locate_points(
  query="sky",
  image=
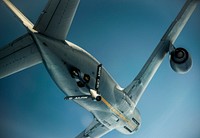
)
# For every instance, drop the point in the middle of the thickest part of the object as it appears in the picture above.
(121, 34)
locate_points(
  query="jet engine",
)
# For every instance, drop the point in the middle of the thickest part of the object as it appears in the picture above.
(180, 60)
(95, 95)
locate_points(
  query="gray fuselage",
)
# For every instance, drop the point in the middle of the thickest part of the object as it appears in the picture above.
(115, 111)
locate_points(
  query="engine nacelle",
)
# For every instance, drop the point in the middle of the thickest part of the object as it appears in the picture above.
(180, 60)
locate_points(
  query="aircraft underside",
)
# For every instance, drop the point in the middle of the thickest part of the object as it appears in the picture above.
(80, 76)
(76, 80)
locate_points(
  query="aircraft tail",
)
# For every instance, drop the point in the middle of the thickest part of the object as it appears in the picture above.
(25, 21)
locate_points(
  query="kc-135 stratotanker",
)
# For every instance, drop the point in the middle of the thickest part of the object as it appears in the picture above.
(83, 78)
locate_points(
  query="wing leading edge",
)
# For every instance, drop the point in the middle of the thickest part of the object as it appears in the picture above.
(56, 18)
(25, 21)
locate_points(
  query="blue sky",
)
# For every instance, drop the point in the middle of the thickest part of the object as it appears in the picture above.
(121, 34)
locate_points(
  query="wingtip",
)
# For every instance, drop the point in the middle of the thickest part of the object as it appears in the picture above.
(25, 21)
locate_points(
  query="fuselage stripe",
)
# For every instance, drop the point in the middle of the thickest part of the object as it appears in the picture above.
(118, 113)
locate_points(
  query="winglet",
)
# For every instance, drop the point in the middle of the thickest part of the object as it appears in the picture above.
(25, 21)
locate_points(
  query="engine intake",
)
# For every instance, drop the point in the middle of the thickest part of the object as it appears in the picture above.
(180, 60)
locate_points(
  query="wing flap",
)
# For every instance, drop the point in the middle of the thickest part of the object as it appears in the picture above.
(56, 18)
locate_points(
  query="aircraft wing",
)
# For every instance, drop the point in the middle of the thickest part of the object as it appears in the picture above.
(94, 130)
(18, 55)
(177, 25)
(139, 84)
(56, 18)
(25, 21)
